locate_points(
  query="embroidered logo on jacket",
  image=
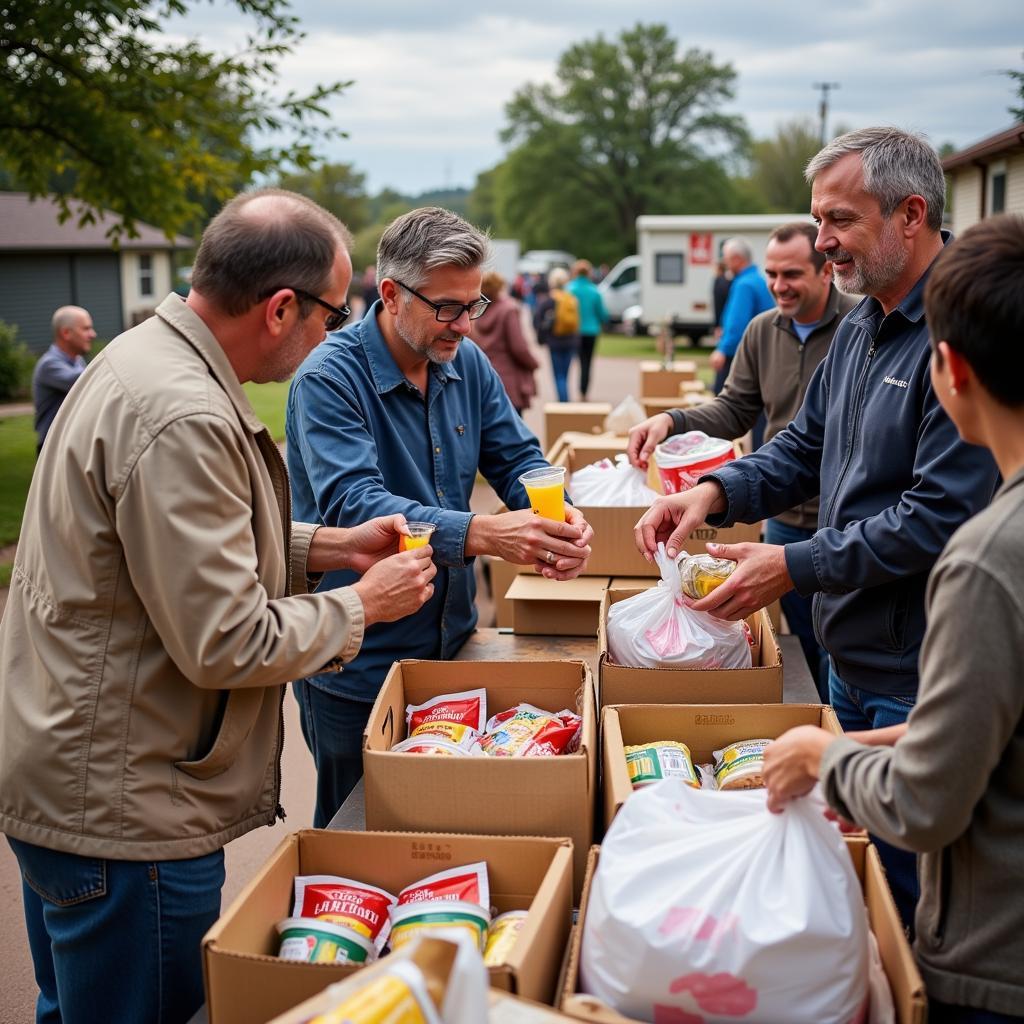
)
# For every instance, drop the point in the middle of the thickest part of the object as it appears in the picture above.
(896, 382)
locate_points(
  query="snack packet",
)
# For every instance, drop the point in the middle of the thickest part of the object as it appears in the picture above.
(660, 759)
(502, 936)
(316, 941)
(434, 745)
(468, 883)
(527, 731)
(400, 994)
(741, 765)
(412, 920)
(700, 574)
(456, 717)
(357, 905)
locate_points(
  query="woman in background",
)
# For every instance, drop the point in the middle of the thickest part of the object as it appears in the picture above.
(593, 316)
(556, 319)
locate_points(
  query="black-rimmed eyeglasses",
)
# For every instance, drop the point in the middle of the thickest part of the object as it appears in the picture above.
(338, 314)
(448, 312)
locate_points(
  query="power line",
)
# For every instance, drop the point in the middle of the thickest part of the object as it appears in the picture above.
(826, 88)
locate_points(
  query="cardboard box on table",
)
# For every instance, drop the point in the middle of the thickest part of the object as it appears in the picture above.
(692, 387)
(583, 417)
(897, 960)
(538, 796)
(704, 728)
(247, 983)
(760, 684)
(502, 575)
(659, 380)
(556, 607)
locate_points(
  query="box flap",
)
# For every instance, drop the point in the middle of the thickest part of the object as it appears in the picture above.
(527, 587)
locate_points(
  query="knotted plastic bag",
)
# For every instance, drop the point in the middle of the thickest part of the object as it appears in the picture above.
(626, 415)
(656, 629)
(611, 484)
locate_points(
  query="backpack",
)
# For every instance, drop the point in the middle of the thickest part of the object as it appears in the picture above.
(567, 313)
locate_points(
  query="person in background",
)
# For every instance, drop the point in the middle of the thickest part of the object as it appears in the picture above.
(556, 319)
(748, 296)
(719, 296)
(499, 333)
(369, 288)
(60, 365)
(949, 782)
(593, 315)
(773, 367)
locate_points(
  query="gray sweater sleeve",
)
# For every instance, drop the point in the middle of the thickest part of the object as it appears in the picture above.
(921, 794)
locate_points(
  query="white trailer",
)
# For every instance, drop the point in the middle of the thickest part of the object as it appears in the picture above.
(677, 257)
(505, 257)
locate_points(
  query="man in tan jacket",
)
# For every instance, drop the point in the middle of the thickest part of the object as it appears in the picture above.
(157, 606)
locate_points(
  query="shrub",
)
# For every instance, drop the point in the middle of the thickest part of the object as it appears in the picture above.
(16, 364)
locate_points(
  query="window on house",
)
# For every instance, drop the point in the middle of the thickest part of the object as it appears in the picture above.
(146, 288)
(997, 188)
(668, 268)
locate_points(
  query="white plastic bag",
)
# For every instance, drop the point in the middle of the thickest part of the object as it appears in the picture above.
(627, 414)
(611, 484)
(656, 630)
(706, 907)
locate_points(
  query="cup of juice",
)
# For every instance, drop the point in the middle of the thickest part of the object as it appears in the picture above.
(419, 536)
(545, 488)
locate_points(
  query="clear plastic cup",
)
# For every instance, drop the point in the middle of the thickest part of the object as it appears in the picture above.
(419, 536)
(545, 488)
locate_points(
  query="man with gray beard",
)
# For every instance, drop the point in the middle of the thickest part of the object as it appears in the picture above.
(871, 437)
(398, 413)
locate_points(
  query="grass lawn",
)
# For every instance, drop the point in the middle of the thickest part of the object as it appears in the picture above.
(269, 401)
(623, 346)
(17, 460)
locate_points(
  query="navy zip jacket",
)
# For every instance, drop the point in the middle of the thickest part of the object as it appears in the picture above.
(895, 482)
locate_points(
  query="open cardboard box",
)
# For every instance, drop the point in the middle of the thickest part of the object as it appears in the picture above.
(246, 982)
(584, 417)
(659, 380)
(759, 684)
(539, 796)
(904, 979)
(704, 728)
(502, 575)
(556, 607)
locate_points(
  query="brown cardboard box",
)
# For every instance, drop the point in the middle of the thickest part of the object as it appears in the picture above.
(633, 582)
(584, 417)
(556, 607)
(659, 380)
(692, 387)
(541, 796)
(760, 684)
(502, 575)
(613, 548)
(904, 979)
(704, 728)
(653, 404)
(246, 983)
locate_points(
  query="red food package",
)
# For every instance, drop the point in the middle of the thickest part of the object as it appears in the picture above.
(456, 717)
(527, 731)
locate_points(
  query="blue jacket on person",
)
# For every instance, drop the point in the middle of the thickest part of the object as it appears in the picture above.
(748, 296)
(895, 480)
(593, 312)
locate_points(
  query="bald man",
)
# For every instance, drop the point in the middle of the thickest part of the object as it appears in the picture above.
(60, 365)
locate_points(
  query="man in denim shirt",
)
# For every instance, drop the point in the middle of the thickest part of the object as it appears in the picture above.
(397, 414)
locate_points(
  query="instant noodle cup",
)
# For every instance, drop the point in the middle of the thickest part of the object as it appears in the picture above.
(466, 884)
(400, 995)
(700, 574)
(502, 936)
(528, 731)
(660, 759)
(456, 717)
(316, 941)
(741, 765)
(410, 920)
(357, 905)
(684, 458)
(434, 745)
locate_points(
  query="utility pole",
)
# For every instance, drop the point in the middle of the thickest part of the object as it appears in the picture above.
(826, 88)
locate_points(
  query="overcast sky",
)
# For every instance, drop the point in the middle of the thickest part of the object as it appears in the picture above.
(432, 80)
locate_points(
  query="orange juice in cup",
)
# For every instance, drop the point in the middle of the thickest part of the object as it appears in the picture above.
(545, 488)
(419, 536)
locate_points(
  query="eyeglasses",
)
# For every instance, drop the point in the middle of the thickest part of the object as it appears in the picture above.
(338, 314)
(448, 312)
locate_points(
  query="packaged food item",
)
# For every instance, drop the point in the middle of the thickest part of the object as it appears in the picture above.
(684, 458)
(434, 745)
(456, 717)
(316, 941)
(468, 883)
(660, 759)
(527, 731)
(357, 905)
(502, 936)
(741, 765)
(700, 574)
(400, 995)
(411, 920)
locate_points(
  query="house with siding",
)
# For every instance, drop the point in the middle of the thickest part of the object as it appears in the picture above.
(45, 264)
(986, 178)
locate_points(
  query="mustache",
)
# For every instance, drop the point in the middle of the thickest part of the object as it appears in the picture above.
(837, 255)
(449, 336)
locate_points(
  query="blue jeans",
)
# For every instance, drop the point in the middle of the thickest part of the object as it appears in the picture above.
(797, 608)
(720, 375)
(117, 940)
(333, 729)
(561, 361)
(860, 710)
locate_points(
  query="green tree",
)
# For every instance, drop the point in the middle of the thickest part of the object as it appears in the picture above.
(149, 130)
(339, 188)
(1018, 78)
(777, 166)
(628, 128)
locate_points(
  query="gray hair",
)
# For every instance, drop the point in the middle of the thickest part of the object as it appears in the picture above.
(558, 277)
(423, 240)
(65, 317)
(739, 246)
(896, 164)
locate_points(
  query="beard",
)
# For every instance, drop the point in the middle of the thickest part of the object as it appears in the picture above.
(873, 273)
(429, 347)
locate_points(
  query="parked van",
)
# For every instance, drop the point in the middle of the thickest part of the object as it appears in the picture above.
(541, 261)
(620, 288)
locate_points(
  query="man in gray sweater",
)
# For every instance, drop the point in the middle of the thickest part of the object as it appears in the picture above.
(949, 783)
(780, 350)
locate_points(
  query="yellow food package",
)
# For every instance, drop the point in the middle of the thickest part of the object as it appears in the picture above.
(660, 759)
(741, 765)
(502, 936)
(700, 574)
(399, 996)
